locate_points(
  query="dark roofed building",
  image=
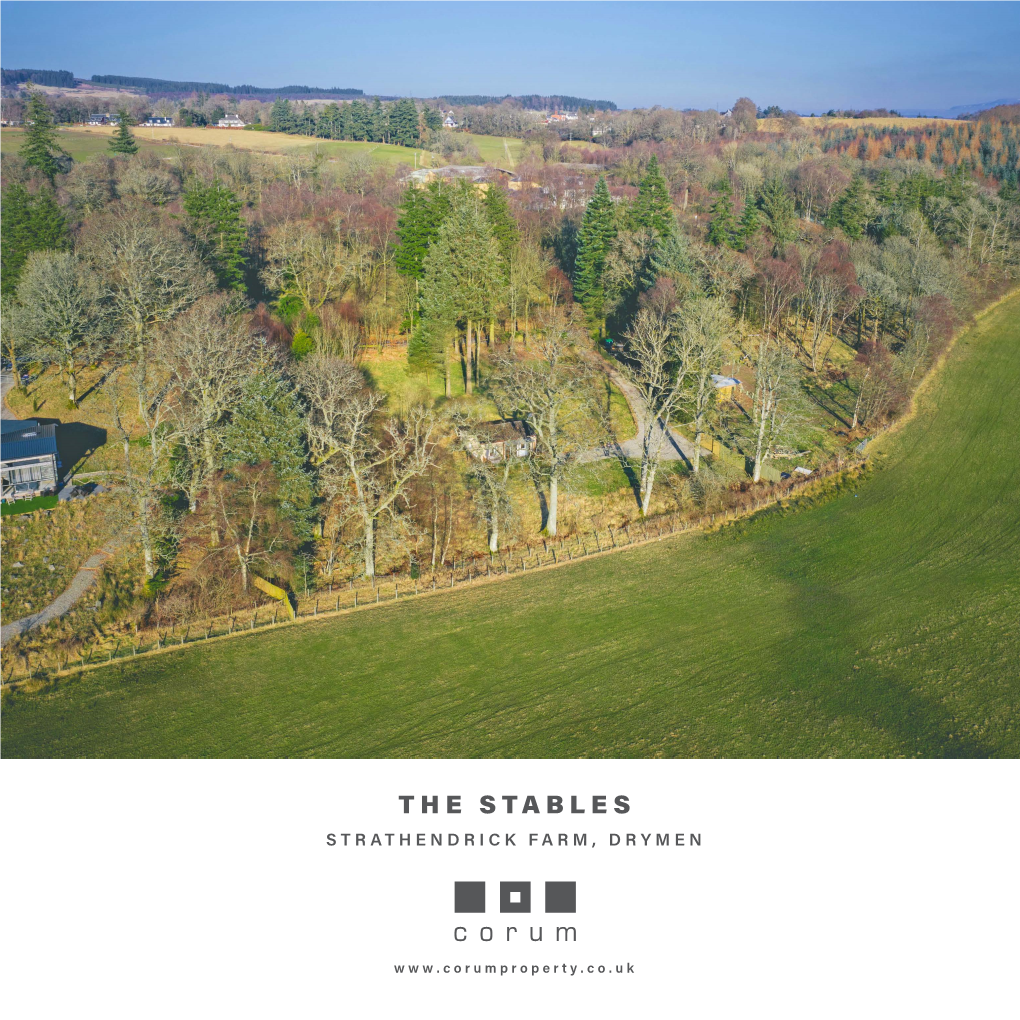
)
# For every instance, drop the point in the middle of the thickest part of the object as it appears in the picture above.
(28, 460)
(493, 441)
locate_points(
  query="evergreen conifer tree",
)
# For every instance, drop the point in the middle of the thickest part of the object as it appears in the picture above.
(504, 226)
(652, 208)
(750, 221)
(266, 425)
(40, 148)
(850, 212)
(404, 123)
(215, 224)
(123, 142)
(30, 223)
(780, 215)
(422, 212)
(723, 227)
(594, 238)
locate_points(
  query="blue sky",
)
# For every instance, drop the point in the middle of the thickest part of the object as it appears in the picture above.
(804, 56)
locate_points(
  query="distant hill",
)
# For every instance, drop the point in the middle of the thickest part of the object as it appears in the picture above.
(1007, 112)
(155, 86)
(954, 112)
(533, 102)
(58, 79)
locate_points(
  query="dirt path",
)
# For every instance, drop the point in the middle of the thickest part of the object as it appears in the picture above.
(85, 578)
(6, 385)
(676, 446)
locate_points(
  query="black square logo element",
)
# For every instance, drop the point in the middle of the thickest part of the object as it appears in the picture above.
(515, 897)
(561, 897)
(469, 897)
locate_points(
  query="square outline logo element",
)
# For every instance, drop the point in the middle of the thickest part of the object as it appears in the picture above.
(523, 889)
(561, 897)
(469, 897)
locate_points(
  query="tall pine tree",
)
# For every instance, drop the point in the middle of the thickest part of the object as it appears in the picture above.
(504, 226)
(40, 148)
(215, 224)
(652, 209)
(777, 206)
(30, 223)
(723, 227)
(850, 211)
(123, 142)
(594, 238)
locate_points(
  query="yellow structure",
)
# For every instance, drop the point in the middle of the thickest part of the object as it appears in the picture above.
(274, 593)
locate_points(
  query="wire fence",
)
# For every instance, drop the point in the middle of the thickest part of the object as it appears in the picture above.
(332, 599)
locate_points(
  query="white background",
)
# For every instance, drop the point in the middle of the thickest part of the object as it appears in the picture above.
(206, 889)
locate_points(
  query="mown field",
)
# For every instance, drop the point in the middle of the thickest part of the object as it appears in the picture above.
(879, 622)
(79, 144)
(83, 142)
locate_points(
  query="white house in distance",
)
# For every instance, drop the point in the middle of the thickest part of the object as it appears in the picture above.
(159, 122)
(449, 122)
(231, 121)
(28, 459)
(98, 120)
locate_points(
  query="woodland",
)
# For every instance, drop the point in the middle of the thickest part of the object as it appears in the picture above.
(293, 357)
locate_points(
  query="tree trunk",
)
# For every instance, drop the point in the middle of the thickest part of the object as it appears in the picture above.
(494, 538)
(143, 526)
(466, 361)
(554, 495)
(72, 385)
(646, 489)
(697, 444)
(446, 369)
(369, 547)
(756, 477)
(244, 566)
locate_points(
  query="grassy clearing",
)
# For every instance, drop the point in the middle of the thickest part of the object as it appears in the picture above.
(80, 143)
(881, 621)
(83, 142)
(28, 506)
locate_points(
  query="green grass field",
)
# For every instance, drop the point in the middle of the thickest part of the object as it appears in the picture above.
(881, 622)
(82, 143)
(79, 145)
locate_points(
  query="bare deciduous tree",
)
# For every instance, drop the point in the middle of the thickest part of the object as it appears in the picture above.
(210, 354)
(773, 409)
(63, 315)
(369, 464)
(704, 325)
(659, 356)
(553, 394)
(310, 263)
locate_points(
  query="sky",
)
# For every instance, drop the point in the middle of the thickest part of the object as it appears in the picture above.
(802, 56)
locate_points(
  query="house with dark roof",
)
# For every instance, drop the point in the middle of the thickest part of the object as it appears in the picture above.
(495, 441)
(29, 464)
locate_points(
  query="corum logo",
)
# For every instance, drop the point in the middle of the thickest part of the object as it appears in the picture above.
(515, 897)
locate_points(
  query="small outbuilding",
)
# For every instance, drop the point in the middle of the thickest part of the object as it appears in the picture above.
(725, 385)
(29, 464)
(495, 441)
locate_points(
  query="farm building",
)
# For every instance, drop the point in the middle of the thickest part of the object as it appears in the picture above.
(494, 441)
(231, 121)
(28, 460)
(725, 385)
